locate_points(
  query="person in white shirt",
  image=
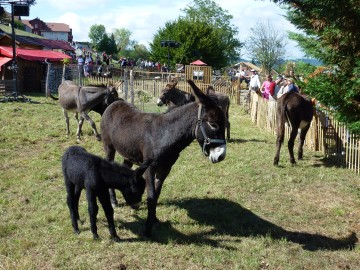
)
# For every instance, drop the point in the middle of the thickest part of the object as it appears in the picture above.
(254, 84)
(283, 89)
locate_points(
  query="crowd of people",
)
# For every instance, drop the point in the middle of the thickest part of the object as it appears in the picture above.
(270, 89)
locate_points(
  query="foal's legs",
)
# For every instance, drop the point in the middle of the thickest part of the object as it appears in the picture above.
(77, 198)
(104, 199)
(301, 140)
(93, 210)
(71, 202)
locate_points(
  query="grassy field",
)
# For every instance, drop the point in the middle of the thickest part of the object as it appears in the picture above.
(242, 213)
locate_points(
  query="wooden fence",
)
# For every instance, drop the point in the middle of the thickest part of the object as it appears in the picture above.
(6, 87)
(325, 134)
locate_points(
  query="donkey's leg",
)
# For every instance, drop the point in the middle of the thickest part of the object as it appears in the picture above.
(228, 129)
(280, 133)
(104, 199)
(279, 142)
(93, 126)
(153, 189)
(67, 121)
(76, 115)
(93, 210)
(80, 124)
(151, 201)
(291, 141)
(71, 202)
(302, 140)
(77, 198)
(227, 121)
(110, 156)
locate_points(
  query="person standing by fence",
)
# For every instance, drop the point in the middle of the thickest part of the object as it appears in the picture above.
(254, 84)
(268, 87)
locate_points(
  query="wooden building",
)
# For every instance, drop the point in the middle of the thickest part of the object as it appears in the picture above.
(199, 73)
(32, 67)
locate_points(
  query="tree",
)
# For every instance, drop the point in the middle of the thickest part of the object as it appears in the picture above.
(204, 32)
(140, 52)
(266, 44)
(331, 34)
(123, 39)
(107, 44)
(97, 34)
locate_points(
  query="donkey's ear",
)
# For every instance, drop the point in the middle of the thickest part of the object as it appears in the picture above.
(173, 82)
(171, 85)
(210, 90)
(200, 97)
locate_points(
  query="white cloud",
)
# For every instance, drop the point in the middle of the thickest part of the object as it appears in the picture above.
(144, 17)
(65, 5)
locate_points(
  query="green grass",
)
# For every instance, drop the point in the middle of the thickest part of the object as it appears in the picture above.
(242, 213)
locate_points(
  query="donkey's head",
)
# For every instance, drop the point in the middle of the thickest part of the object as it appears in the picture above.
(210, 126)
(167, 94)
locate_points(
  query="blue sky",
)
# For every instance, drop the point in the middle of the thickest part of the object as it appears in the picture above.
(144, 17)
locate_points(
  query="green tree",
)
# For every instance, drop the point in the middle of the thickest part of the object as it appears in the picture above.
(266, 44)
(140, 52)
(123, 39)
(204, 32)
(97, 35)
(107, 44)
(330, 33)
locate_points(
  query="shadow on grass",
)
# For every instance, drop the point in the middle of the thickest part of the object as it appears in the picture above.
(327, 162)
(244, 141)
(230, 219)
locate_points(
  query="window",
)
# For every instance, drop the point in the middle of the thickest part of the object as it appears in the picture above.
(198, 75)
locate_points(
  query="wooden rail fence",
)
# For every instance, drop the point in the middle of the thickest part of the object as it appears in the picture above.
(325, 134)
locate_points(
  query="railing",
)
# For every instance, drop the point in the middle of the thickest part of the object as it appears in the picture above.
(6, 87)
(325, 134)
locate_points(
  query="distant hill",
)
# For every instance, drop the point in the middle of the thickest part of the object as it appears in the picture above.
(311, 61)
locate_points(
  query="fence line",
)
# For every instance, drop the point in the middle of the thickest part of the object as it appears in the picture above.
(326, 134)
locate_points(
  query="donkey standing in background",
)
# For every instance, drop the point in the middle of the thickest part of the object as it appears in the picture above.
(174, 97)
(83, 99)
(297, 111)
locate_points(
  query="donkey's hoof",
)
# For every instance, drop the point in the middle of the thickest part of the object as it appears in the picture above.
(115, 238)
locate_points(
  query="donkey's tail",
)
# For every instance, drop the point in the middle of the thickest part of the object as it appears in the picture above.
(281, 120)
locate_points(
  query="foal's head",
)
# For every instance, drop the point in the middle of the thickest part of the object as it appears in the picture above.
(134, 192)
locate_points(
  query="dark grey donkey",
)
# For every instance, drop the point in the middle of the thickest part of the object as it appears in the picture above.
(298, 112)
(174, 97)
(83, 170)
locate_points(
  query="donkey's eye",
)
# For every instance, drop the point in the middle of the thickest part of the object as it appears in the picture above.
(214, 126)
